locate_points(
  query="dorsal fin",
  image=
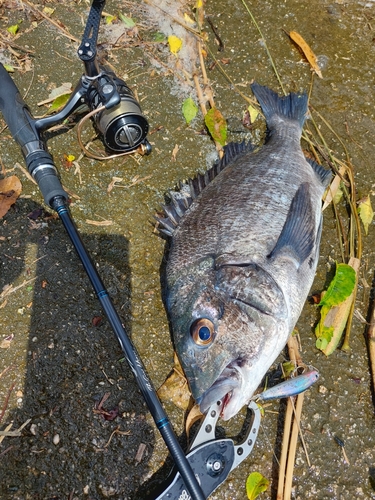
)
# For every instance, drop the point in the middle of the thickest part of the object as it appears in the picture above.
(322, 173)
(182, 199)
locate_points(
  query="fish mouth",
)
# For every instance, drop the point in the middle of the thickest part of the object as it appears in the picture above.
(228, 389)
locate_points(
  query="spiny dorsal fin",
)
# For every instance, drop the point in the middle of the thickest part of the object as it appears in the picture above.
(322, 173)
(182, 199)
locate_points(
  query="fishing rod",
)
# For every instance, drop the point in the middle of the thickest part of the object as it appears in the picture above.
(119, 120)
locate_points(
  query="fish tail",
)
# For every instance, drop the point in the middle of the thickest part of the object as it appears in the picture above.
(292, 106)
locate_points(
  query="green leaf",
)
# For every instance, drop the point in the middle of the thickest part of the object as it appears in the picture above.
(321, 344)
(288, 368)
(365, 212)
(9, 68)
(335, 307)
(109, 19)
(128, 21)
(159, 37)
(216, 125)
(340, 287)
(189, 109)
(256, 484)
(59, 102)
(13, 29)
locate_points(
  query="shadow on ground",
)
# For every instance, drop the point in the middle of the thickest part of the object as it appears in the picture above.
(72, 361)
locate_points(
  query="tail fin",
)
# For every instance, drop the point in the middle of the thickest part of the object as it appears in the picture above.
(293, 106)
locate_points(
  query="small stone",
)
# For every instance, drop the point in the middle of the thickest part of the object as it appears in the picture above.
(56, 439)
(33, 428)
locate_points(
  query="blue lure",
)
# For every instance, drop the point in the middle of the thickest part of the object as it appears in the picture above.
(290, 387)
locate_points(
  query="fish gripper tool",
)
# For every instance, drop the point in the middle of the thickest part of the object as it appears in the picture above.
(213, 459)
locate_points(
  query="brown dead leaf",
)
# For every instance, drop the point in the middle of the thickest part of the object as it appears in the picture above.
(309, 54)
(10, 189)
(333, 187)
(175, 388)
(174, 152)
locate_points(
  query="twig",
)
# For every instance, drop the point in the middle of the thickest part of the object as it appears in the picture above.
(289, 443)
(293, 447)
(371, 345)
(265, 45)
(6, 401)
(284, 449)
(56, 24)
(10, 288)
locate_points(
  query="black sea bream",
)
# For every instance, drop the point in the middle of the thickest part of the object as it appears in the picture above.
(244, 249)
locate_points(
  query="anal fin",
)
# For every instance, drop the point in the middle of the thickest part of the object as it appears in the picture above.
(299, 234)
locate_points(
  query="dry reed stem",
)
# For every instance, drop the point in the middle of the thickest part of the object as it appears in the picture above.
(54, 23)
(290, 435)
(371, 344)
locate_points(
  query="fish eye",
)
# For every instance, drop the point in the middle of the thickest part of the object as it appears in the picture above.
(202, 331)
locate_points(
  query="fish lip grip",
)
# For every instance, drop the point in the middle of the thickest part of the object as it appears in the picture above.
(213, 459)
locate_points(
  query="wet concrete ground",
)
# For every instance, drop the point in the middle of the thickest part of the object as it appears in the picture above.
(63, 359)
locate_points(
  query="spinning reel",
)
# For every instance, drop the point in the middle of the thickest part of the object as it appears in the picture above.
(116, 113)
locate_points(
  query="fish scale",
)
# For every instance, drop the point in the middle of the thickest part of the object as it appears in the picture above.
(243, 256)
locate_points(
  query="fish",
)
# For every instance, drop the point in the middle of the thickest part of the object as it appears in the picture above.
(290, 387)
(243, 250)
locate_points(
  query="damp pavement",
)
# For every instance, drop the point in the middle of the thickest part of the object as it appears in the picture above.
(88, 433)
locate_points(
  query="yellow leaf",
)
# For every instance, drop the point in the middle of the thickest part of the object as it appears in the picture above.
(175, 44)
(48, 11)
(309, 54)
(253, 112)
(199, 4)
(365, 212)
(70, 158)
(188, 19)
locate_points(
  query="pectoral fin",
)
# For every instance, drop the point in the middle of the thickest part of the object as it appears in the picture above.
(299, 234)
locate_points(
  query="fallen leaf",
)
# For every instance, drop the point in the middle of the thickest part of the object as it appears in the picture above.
(188, 19)
(10, 189)
(216, 125)
(128, 21)
(335, 306)
(13, 29)
(253, 113)
(5, 343)
(256, 484)
(48, 10)
(333, 189)
(174, 152)
(109, 19)
(309, 54)
(365, 212)
(96, 320)
(175, 388)
(189, 110)
(59, 103)
(175, 44)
